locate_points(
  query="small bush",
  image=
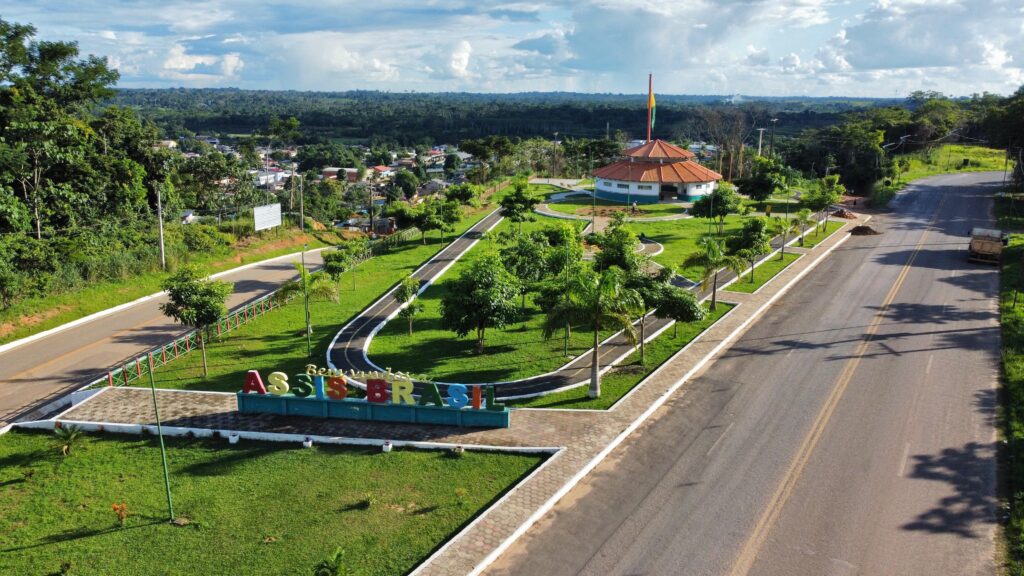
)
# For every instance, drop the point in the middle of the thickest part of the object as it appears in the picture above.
(203, 238)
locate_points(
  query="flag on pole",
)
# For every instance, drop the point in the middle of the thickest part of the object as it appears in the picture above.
(650, 104)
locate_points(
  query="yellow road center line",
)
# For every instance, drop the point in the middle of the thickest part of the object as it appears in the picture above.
(748, 553)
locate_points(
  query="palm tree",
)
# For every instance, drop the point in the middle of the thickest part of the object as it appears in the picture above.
(802, 220)
(785, 227)
(711, 258)
(317, 286)
(67, 436)
(603, 301)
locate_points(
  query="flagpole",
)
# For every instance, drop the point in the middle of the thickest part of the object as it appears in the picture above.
(650, 86)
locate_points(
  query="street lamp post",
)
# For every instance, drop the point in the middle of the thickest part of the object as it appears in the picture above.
(163, 449)
(771, 143)
(305, 301)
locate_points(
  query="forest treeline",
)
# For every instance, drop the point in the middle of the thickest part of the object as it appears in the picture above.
(412, 118)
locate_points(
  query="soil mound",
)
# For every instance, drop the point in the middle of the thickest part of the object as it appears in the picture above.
(844, 213)
(863, 230)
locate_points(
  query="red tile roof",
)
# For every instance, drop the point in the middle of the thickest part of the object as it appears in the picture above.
(656, 149)
(681, 171)
(381, 168)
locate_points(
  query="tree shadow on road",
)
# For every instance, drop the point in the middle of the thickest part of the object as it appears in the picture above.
(970, 472)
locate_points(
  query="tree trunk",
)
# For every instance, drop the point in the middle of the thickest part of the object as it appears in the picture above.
(643, 332)
(202, 345)
(410, 325)
(480, 340)
(714, 291)
(675, 329)
(782, 252)
(595, 372)
(751, 270)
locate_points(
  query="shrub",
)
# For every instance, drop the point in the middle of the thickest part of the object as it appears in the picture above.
(203, 238)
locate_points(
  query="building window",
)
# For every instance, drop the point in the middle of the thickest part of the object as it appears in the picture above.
(624, 186)
(644, 187)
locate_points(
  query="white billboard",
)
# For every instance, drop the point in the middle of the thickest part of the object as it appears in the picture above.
(267, 216)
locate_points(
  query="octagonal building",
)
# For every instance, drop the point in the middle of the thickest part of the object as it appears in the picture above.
(654, 172)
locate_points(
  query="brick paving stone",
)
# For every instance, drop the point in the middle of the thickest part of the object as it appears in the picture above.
(580, 435)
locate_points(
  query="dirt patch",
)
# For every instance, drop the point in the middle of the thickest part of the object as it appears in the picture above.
(844, 213)
(864, 230)
(8, 328)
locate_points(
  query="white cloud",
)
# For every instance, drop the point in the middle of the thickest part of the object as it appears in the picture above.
(703, 46)
(179, 60)
(231, 64)
(458, 63)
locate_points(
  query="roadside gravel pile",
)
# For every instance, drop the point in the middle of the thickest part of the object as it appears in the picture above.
(844, 213)
(863, 230)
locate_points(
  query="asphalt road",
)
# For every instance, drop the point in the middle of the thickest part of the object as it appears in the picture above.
(849, 431)
(41, 371)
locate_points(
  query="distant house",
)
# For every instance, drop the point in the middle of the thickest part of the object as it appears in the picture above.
(431, 187)
(351, 174)
(170, 144)
(383, 172)
(188, 216)
(330, 173)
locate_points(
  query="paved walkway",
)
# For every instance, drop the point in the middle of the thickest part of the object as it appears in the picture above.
(581, 438)
(546, 210)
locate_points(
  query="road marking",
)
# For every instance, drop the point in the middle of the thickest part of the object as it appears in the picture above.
(720, 438)
(928, 366)
(748, 553)
(903, 459)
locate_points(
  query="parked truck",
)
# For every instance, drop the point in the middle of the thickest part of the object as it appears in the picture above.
(986, 245)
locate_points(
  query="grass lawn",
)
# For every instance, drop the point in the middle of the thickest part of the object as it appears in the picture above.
(679, 237)
(255, 508)
(816, 236)
(941, 160)
(583, 206)
(618, 381)
(35, 315)
(517, 351)
(277, 341)
(778, 206)
(1012, 399)
(763, 273)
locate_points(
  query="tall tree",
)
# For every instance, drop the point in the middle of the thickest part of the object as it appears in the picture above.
(195, 301)
(482, 297)
(711, 258)
(602, 301)
(518, 205)
(524, 258)
(405, 295)
(720, 203)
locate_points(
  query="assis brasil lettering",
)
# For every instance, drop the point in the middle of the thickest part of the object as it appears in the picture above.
(389, 397)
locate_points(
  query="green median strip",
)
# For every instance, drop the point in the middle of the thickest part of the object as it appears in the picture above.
(618, 381)
(816, 235)
(253, 508)
(763, 273)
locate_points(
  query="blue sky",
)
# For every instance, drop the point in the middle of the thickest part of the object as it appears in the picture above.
(771, 47)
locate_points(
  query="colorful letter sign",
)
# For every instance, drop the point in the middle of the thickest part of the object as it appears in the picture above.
(389, 398)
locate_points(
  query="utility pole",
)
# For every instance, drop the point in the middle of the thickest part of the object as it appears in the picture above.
(760, 135)
(305, 300)
(302, 210)
(554, 152)
(160, 226)
(771, 143)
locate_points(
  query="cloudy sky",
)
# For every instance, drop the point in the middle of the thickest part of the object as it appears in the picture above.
(770, 47)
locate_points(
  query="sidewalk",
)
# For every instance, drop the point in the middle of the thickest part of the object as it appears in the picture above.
(580, 439)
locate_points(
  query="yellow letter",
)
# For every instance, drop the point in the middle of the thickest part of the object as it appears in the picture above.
(401, 392)
(278, 383)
